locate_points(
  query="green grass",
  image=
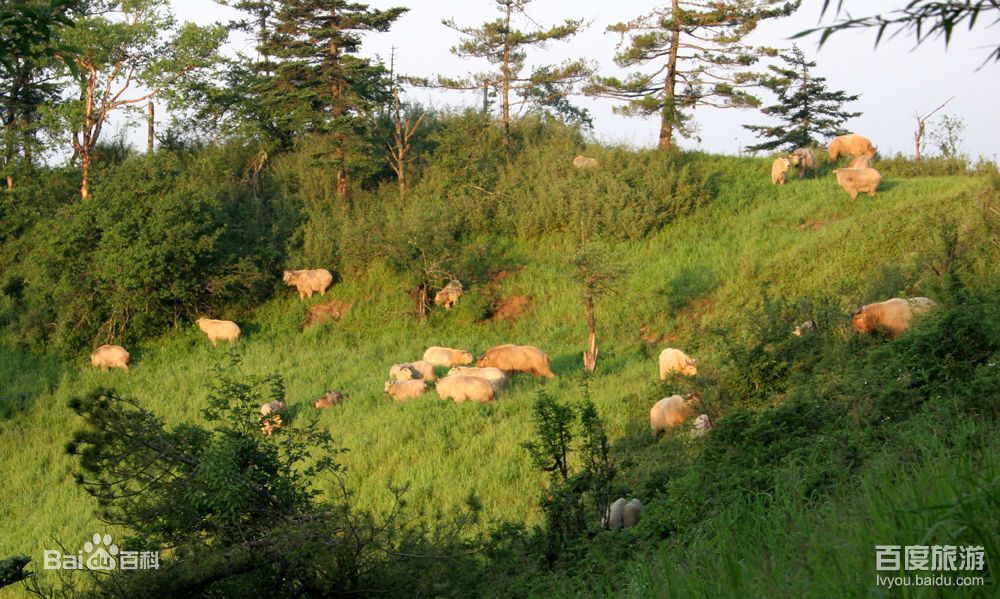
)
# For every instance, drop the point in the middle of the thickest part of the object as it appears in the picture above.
(701, 271)
(946, 495)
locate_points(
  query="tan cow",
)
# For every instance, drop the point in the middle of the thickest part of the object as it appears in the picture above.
(674, 360)
(401, 390)
(271, 417)
(420, 369)
(891, 316)
(517, 358)
(671, 411)
(449, 294)
(494, 376)
(308, 281)
(584, 162)
(858, 180)
(853, 145)
(465, 388)
(804, 160)
(446, 356)
(218, 330)
(110, 356)
(779, 168)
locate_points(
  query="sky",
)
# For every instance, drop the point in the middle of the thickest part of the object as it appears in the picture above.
(894, 80)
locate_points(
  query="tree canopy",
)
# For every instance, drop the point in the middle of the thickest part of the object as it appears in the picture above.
(808, 110)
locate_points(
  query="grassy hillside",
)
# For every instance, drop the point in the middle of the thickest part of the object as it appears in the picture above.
(698, 284)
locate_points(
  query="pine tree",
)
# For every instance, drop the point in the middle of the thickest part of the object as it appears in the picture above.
(697, 44)
(505, 46)
(808, 109)
(320, 84)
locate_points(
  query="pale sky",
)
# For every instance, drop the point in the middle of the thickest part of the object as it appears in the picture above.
(893, 80)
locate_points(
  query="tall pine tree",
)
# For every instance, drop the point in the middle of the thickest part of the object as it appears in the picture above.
(505, 46)
(320, 84)
(808, 110)
(691, 53)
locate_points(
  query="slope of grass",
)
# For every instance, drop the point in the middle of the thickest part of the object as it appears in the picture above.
(701, 271)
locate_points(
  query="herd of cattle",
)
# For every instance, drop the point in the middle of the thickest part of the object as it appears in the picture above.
(858, 177)
(483, 382)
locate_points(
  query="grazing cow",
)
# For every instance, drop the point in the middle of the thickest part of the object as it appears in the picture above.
(446, 356)
(400, 390)
(671, 411)
(858, 180)
(420, 369)
(308, 281)
(110, 356)
(622, 514)
(218, 330)
(464, 388)
(853, 145)
(672, 360)
(449, 294)
(517, 358)
(891, 316)
(328, 399)
(804, 160)
(494, 376)
(779, 168)
(271, 417)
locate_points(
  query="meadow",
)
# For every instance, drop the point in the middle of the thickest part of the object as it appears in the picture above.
(701, 283)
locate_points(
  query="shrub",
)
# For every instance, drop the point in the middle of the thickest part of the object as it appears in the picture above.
(163, 239)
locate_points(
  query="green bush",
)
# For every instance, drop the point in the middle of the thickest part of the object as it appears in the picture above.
(164, 239)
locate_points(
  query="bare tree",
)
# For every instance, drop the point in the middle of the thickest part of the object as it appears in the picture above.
(404, 126)
(120, 48)
(599, 270)
(918, 135)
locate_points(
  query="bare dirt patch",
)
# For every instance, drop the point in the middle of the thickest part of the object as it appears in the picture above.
(511, 308)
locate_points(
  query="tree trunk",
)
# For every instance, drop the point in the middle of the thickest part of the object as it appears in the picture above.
(401, 134)
(341, 177)
(670, 82)
(85, 176)
(10, 121)
(420, 301)
(86, 148)
(150, 129)
(590, 355)
(505, 70)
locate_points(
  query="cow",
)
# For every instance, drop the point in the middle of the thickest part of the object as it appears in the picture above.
(852, 144)
(517, 358)
(219, 330)
(779, 168)
(465, 388)
(110, 356)
(449, 294)
(674, 360)
(858, 180)
(308, 282)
